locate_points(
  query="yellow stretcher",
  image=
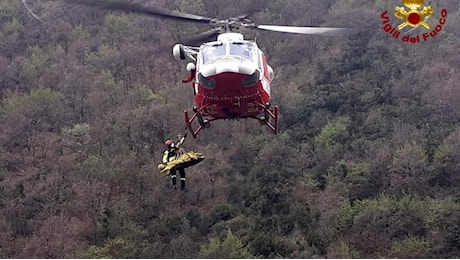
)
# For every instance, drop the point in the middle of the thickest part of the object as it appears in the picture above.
(185, 160)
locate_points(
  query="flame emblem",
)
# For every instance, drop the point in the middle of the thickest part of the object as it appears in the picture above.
(413, 17)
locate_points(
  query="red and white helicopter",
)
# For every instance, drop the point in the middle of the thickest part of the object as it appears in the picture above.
(230, 76)
(231, 80)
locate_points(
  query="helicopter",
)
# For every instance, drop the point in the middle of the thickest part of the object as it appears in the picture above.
(230, 76)
(231, 80)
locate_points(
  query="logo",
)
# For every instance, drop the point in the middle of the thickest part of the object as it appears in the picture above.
(413, 14)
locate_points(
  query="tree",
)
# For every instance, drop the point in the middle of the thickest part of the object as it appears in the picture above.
(58, 236)
(360, 182)
(29, 117)
(115, 29)
(409, 169)
(373, 225)
(230, 247)
(76, 140)
(410, 247)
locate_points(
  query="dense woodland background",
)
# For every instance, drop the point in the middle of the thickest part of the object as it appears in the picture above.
(366, 164)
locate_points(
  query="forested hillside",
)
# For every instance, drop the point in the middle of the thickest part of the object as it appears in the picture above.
(366, 163)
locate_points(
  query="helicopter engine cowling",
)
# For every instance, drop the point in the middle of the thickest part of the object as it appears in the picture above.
(179, 52)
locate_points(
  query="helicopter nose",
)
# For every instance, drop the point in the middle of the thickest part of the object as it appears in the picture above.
(206, 82)
(228, 66)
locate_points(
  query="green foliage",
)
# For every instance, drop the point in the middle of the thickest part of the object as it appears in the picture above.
(410, 247)
(231, 247)
(79, 33)
(442, 219)
(342, 249)
(222, 213)
(113, 248)
(8, 12)
(409, 168)
(76, 139)
(103, 58)
(333, 133)
(278, 225)
(196, 6)
(116, 28)
(37, 99)
(440, 208)
(376, 124)
(33, 66)
(93, 165)
(13, 27)
(268, 196)
(406, 236)
(442, 155)
(106, 92)
(142, 95)
(346, 215)
(106, 81)
(409, 159)
(268, 246)
(407, 202)
(358, 178)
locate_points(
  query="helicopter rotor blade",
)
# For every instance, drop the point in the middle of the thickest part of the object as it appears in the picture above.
(137, 8)
(307, 30)
(204, 36)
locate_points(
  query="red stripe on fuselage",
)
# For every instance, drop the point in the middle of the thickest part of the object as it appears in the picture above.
(230, 99)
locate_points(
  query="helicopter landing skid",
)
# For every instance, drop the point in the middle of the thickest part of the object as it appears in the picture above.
(273, 115)
(269, 118)
(204, 123)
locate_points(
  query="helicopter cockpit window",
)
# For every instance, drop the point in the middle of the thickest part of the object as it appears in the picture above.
(213, 51)
(241, 49)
